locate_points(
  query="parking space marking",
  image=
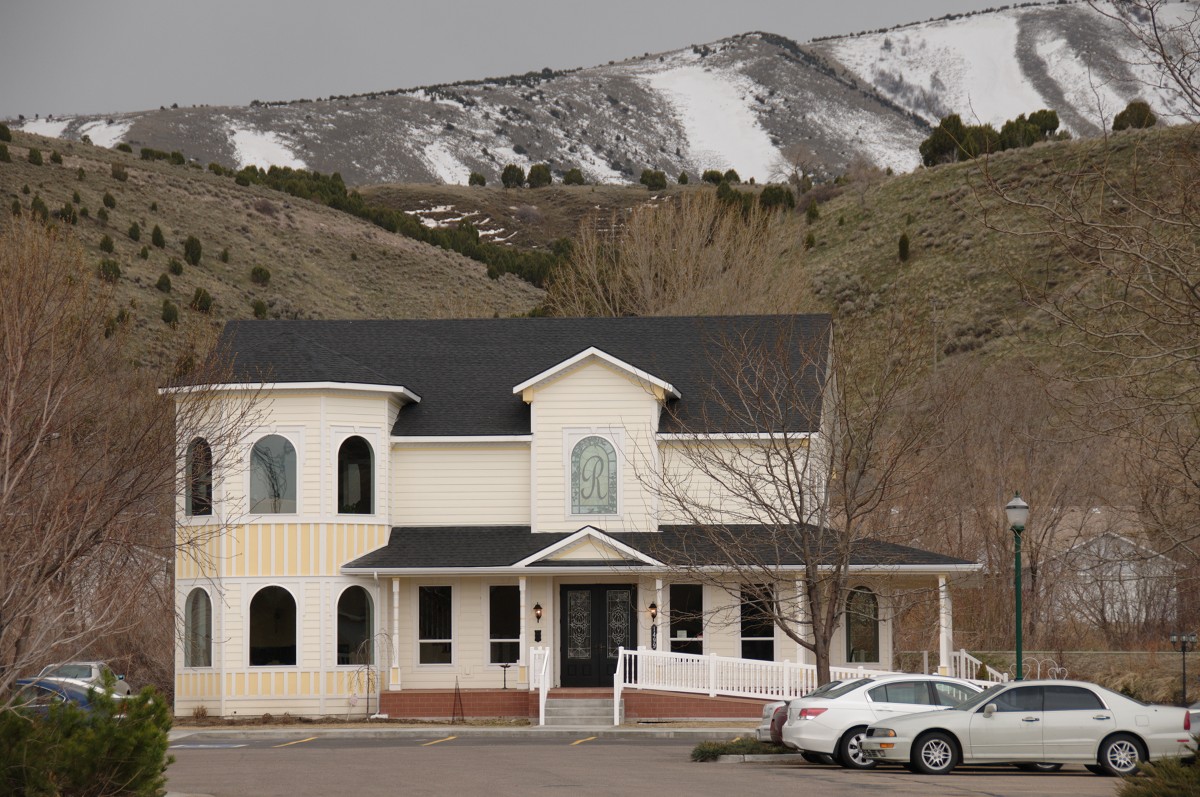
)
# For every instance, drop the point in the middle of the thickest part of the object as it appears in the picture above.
(581, 741)
(439, 741)
(298, 741)
(204, 746)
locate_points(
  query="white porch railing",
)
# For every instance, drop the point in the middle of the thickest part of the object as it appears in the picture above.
(964, 665)
(719, 675)
(539, 678)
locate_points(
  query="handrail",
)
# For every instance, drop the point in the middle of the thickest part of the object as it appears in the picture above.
(964, 665)
(539, 660)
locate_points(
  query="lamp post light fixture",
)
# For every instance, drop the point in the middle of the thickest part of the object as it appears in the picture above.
(1018, 514)
(1184, 643)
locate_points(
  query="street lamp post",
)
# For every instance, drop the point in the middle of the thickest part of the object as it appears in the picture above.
(1184, 643)
(1018, 513)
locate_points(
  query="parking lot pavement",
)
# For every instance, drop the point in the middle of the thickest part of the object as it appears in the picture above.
(586, 764)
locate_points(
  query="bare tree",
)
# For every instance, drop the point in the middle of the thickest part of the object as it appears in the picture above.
(92, 458)
(693, 256)
(780, 506)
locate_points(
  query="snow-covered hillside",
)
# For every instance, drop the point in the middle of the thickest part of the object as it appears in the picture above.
(758, 103)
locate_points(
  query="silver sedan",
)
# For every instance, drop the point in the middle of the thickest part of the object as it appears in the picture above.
(1030, 723)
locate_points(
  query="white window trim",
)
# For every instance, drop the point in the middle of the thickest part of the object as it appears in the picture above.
(486, 601)
(338, 436)
(337, 599)
(252, 589)
(295, 436)
(879, 640)
(615, 436)
(212, 623)
(415, 602)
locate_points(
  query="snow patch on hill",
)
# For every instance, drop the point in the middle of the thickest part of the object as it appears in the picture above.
(256, 148)
(46, 127)
(722, 132)
(968, 64)
(444, 165)
(106, 134)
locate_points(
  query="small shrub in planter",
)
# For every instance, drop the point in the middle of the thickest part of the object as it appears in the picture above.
(106, 244)
(157, 238)
(135, 232)
(192, 250)
(110, 201)
(35, 156)
(259, 307)
(260, 275)
(170, 313)
(201, 302)
(164, 283)
(110, 270)
(174, 266)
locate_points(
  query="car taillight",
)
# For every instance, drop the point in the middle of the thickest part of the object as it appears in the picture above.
(811, 713)
(1187, 720)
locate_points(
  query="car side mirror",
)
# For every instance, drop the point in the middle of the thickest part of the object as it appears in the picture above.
(989, 709)
(120, 677)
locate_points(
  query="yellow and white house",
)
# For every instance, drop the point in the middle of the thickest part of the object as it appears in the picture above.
(431, 516)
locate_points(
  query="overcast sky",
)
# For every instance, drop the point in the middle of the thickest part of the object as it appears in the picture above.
(86, 56)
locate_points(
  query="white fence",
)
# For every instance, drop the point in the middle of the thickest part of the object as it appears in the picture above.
(964, 665)
(719, 675)
(539, 678)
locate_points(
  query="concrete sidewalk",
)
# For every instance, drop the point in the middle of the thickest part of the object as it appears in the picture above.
(384, 731)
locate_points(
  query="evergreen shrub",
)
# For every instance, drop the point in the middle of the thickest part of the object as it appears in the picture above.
(164, 283)
(260, 275)
(110, 270)
(4, 156)
(170, 313)
(539, 175)
(259, 307)
(201, 301)
(712, 176)
(476, 179)
(106, 244)
(903, 247)
(192, 250)
(174, 266)
(35, 156)
(135, 232)
(573, 177)
(156, 237)
(55, 157)
(654, 179)
(513, 176)
(5, 133)
(110, 201)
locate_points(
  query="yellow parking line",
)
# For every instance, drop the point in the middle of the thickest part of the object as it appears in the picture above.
(298, 741)
(439, 741)
(581, 741)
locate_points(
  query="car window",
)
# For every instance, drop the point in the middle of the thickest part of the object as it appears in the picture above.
(949, 694)
(849, 686)
(83, 671)
(912, 692)
(31, 696)
(1023, 698)
(1071, 698)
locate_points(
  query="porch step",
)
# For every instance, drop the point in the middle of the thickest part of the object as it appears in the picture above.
(581, 711)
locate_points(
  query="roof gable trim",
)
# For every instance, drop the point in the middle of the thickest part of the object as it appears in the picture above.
(398, 390)
(592, 351)
(596, 535)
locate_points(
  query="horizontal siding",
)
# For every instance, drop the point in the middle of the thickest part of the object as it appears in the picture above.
(460, 485)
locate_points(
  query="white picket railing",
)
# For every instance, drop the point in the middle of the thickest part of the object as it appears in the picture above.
(539, 678)
(719, 675)
(964, 665)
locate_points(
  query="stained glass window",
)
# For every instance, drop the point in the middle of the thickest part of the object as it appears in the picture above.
(593, 477)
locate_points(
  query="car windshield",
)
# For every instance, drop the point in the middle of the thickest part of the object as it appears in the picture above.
(69, 671)
(980, 699)
(822, 691)
(848, 686)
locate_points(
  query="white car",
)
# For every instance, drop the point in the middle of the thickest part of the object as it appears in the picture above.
(89, 672)
(1035, 723)
(833, 724)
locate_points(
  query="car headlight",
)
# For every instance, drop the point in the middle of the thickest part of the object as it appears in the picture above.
(877, 732)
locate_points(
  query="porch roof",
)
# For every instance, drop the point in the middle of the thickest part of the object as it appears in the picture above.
(459, 548)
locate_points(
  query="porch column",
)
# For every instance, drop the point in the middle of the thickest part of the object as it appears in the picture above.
(521, 646)
(394, 679)
(663, 644)
(945, 627)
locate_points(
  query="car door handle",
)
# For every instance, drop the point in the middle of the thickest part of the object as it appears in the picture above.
(1030, 719)
(1101, 717)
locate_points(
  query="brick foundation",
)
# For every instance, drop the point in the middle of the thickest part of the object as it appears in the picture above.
(439, 704)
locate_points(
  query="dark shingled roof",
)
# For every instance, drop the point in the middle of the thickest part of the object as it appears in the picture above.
(502, 546)
(465, 370)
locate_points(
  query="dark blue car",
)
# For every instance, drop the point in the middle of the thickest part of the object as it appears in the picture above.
(38, 694)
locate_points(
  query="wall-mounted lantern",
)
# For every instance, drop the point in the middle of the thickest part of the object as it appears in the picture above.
(537, 613)
(653, 626)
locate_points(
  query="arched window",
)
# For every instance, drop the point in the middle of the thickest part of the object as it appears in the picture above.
(273, 476)
(198, 500)
(354, 624)
(197, 632)
(862, 625)
(355, 477)
(593, 477)
(272, 628)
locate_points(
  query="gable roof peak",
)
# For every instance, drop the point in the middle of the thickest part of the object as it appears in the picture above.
(593, 352)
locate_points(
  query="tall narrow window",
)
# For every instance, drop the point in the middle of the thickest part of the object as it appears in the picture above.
(434, 628)
(687, 618)
(593, 477)
(273, 476)
(862, 625)
(354, 624)
(197, 630)
(355, 477)
(272, 628)
(199, 478)
(758, 625)
(504, 626)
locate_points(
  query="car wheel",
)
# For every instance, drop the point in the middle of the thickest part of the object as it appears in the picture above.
(1120, 754)
(1039, 767)
(849, 750)
(934, 754)
(815, 758)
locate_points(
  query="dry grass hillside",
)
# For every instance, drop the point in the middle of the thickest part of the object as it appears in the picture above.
(322, 263)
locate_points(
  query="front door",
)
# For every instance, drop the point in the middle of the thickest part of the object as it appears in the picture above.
(596, 620)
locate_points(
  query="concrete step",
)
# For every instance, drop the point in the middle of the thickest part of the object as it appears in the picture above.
(581, 711)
